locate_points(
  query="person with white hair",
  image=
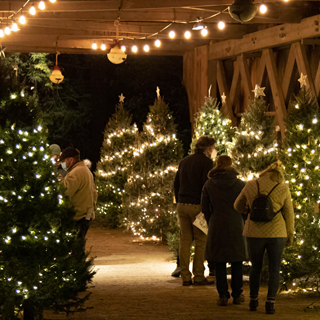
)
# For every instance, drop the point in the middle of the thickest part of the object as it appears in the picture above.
(263, 235)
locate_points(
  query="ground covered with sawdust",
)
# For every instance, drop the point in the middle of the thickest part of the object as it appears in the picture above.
(134, 282)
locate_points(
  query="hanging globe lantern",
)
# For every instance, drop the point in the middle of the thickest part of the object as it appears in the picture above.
(56, 75)
(116, 55)
(243, 10)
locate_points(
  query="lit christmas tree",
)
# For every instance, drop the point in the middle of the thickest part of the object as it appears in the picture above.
(256, 145)
(42, 261)
(111, 174)
(150, 209)
(300, 156)
(210, 121)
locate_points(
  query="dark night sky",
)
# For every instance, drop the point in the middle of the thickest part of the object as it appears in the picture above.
(137, 78)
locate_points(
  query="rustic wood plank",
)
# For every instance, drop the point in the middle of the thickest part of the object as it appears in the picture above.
(245, 76)
(272, 37)
(288, 73)
(235, 84)
(276, 89)
(223, 87)
(304, 67)
(317, 81)
(261, 69)
(188, 77)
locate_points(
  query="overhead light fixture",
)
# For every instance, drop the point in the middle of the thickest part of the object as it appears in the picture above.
(199, 25)
(187, 34)
(22, 19)
(52, 1)
(32, 10)
(94, 46)
(7, 30)
(123, 48)
(243, 10)
(146, 48)
(1, 33)
(14, 27)
(103, 46)
(116, 55)
(56, 75)
(134, 48)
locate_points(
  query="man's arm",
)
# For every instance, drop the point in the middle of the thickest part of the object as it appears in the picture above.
(176, 185)
(72, 184)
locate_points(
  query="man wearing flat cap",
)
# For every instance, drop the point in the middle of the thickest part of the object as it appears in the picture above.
(80, 188)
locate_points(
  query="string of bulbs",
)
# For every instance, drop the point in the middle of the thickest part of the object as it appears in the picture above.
(5, 31)
(199, 25)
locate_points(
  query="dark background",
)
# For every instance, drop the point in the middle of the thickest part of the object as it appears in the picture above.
(98, 84)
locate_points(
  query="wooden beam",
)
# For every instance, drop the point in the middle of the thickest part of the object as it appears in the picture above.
(245, 76)
(271, 37)
(276, 89)
(223, 88)
(288, 72)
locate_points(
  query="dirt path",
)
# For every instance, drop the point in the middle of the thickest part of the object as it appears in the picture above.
(133, 282)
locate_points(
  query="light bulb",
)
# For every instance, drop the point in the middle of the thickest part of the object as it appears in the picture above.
(146, 48)
(221, 25)
(1, 33)
(103, 47)
(123, 48)
(204, 32)
(14, 27)
(157, 43)
(32, 10)
(187, 34)
(134, 48)
(52, 1)
(263, 8)
(7, 30)
(172, 34)
(42, 5)
(22, 19)
(94, 46)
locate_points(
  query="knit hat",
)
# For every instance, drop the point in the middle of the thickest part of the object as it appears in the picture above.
(55, 149)
(69, 153)
(223, 162)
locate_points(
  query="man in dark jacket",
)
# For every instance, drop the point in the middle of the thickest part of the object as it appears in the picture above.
(190, 178)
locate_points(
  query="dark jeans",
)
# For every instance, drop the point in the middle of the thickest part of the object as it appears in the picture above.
(83, 226)
(257, 247)
(236, 279)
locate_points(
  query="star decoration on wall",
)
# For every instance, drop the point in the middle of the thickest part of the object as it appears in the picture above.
(223, 98)
(158, 93)
(302, 80)
(258, 91)
(121, 98)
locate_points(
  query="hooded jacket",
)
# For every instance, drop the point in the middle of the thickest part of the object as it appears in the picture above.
(225, 242)
(81, 190)
(282, 225)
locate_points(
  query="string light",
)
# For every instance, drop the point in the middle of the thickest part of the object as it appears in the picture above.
(42, 5)
(94, 45)
(103, 47)
(187, 34)
(146, 48)
(14, 27)
(157, 43)
(1, 33)
(134, 48)
(123, 48)
(172, 34)
(52, 1)
(221, 25)
(7, 30)
(32, 10)
(22, 19)
(204, 32)
(263, 8)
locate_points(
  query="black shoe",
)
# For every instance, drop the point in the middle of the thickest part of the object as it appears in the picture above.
(187, 283)
(223, 301)
(270, 308)
(204, 282)
(239, 299)
(253, 304)
(176, 273)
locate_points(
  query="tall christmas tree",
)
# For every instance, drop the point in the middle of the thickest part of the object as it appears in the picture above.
(210, 121)
(300, 156)
(111, 174)
(256, 142)
(42, 261)
(150, 209)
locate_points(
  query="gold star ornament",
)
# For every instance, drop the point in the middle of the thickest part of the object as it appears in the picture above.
(158, 93)
(223, 98)
(121, 98)
(258, 92)
(302, 80)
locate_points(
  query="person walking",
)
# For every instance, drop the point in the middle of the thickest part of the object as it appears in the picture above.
(225, 242)
(80, 188)
(190, 178)
(270, 236)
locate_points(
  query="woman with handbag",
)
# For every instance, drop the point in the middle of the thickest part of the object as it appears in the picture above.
(263, 235)
(225, 242)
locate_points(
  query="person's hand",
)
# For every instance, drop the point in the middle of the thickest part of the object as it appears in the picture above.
(289, 241)
(60, 177)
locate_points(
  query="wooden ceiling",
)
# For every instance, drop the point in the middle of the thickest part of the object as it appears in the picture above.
(74, 25)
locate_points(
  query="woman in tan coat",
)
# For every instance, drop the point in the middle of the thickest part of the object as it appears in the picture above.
(271, 236)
